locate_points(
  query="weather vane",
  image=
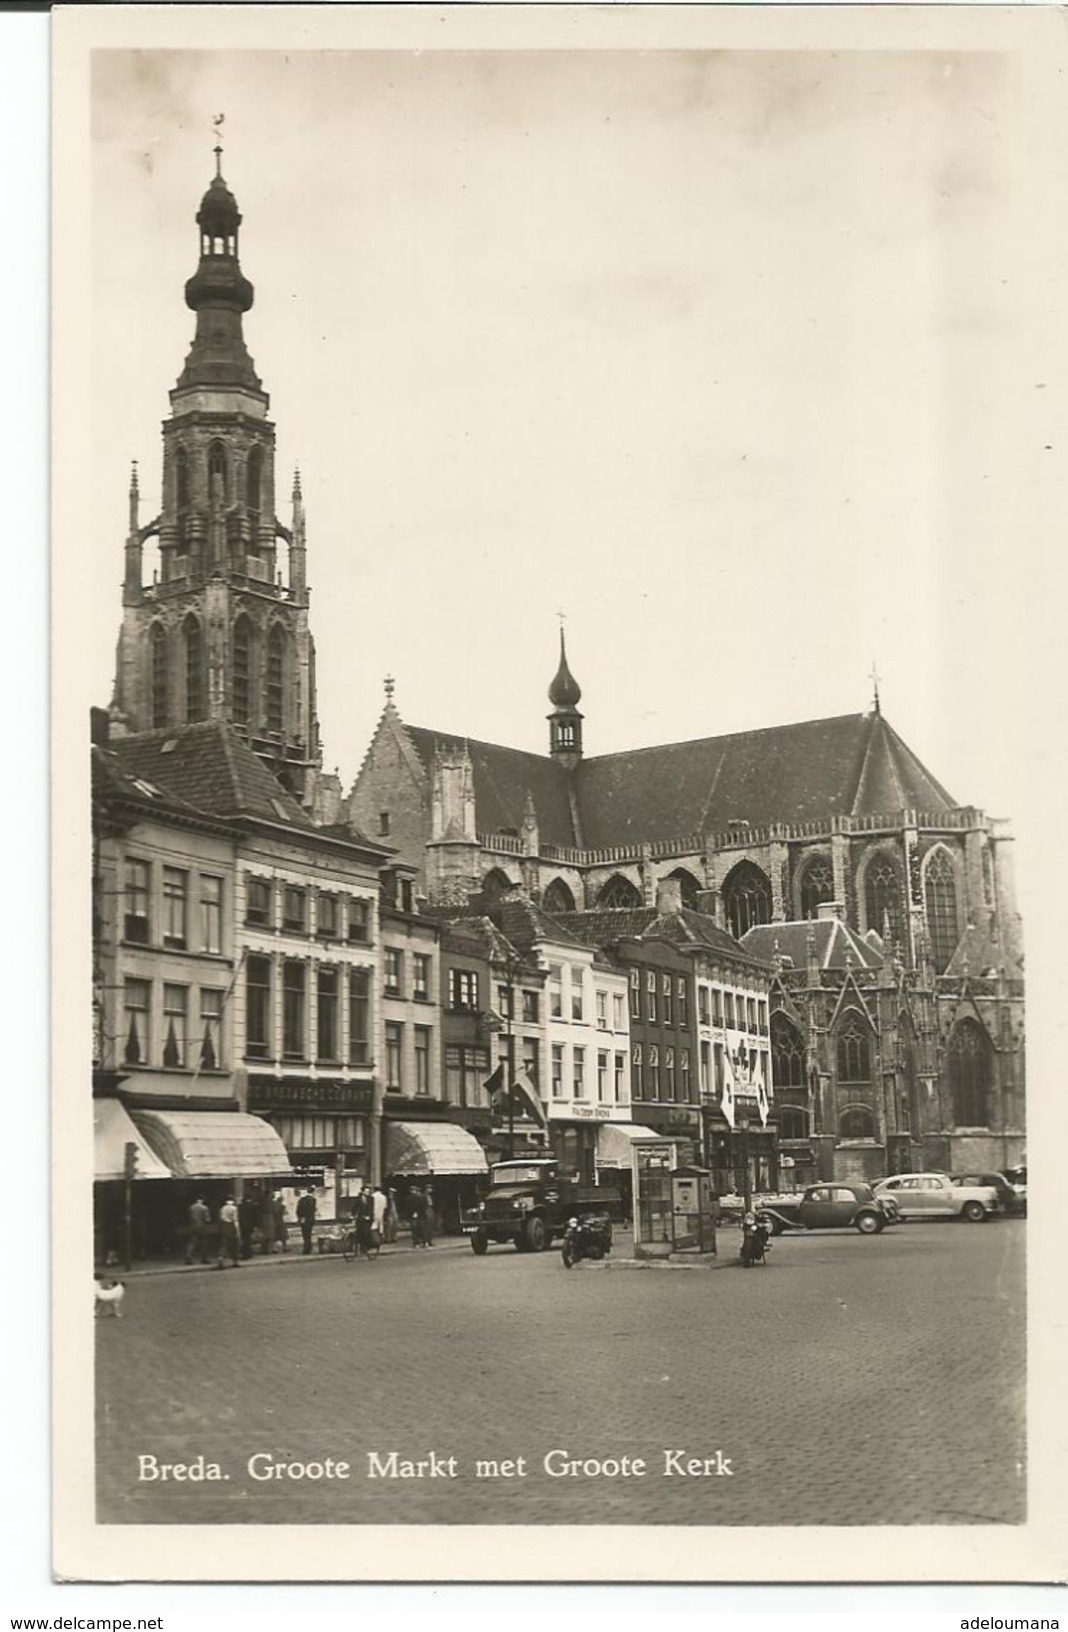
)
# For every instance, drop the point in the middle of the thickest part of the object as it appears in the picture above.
(217, 122)
(874, 677)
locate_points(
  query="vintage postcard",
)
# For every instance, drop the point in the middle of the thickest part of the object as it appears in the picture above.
(549, 579)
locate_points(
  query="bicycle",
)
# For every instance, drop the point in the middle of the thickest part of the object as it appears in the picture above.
(359, 1243)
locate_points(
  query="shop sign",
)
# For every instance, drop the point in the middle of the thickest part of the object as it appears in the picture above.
(277, 1095)
(595, 1113)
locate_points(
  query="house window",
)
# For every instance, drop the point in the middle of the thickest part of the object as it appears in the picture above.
(210, 914)
(454, 1075)
(530, 1008)
(618, 1016)
(576, 994)
(463, 989)
(359, 920)
(669, 1073)
(717, 1006)
(327, 917)
(422, 1060)
(294, 1032)
(665, 989)
(175, 1022)
(421, 976)
(602, 1011)
(650, 996)
(556, 1001)
(705, 1085)
(531, 1059)
(558, 1070)
(326, 992)
(578, 1072)
(137, 996)
(621, 1078)
(276, 680)
(308, 1132)
(294, 908)
(359, 1017)
(684, 1001)
(506, 1002)
(654, 1071)
(602, 1076)
(258, 1041)
(637, 1072)
(684, 1075)
(211, 1008)
(258, 902)
(136, 926)
(393, 968)
(728, 1010)
(175, 884)
(383, 824)
(394, 1046)
(635, 995)
(704, 1009)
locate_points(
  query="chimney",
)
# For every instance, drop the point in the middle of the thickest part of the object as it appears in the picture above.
(832, 909)
(669, 895)
(99, 727)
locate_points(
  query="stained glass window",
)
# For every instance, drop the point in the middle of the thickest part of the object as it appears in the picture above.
(940, 898)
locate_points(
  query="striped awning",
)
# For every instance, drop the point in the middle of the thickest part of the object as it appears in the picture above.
(616, 1142)
(112, 1132)
(215, 1144)
(421, 1149)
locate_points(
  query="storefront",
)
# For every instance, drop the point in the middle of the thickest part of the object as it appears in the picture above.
(325, 1126)
(127, 1177)
(440, 1158)
(730, 1148)
(615, 1156)
(681, 1123)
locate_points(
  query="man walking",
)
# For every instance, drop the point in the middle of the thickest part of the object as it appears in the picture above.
(306, 1218)
(197, 1242)
(229, 1234)
(280, 1234)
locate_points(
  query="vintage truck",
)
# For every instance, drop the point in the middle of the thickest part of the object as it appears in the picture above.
(529, 1203)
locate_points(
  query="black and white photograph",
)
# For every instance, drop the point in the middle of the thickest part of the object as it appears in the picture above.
(546, 524)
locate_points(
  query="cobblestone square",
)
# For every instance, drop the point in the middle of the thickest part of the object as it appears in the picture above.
(854, 1381)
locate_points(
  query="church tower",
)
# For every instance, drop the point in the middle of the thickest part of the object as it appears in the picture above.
(565, 721)
(221, 632)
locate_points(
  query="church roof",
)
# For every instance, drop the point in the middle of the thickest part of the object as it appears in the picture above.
(503, 777)
(211, 768)
(684, 929)
(855, 764)
(836, 945)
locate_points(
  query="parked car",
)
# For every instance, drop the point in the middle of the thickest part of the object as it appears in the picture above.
(1017, 1177)
(835, 1205)
(1010, 1201)
(934, 1195)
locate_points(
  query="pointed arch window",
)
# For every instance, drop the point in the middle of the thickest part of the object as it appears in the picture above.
(193, 640)
(940, 899)
(619, 892)
(254, 482)
(853, 1049)
(558, 897)
(856, 1122)
(747, 899)
(969, 1075)
(688, 885)
(181, 481)
(882, 896)
(242, 674)
(218, 485)
(787, 1054)
(817, 886)
(496, 884)
(159, 676)
(276, 679)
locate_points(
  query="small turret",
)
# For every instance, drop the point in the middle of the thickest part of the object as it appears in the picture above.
(565, 721)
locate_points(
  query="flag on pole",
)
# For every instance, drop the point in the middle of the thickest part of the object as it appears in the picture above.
(763, 1101)
(528, 1096)
(726, 1103)
(494, 1083)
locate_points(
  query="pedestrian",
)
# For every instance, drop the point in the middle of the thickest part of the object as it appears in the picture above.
(306, 1218)
(281, 1228)
(379, 1211)
(392, 1216)
(197, 1240)
(229, 1234)
(248, 1217)
(420, 1223)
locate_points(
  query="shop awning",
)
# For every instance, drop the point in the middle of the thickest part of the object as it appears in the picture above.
(112, 1132)
(420, 1149)
(616, 1142)
(215, 1144)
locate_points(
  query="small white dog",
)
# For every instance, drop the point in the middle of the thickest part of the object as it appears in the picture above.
(108, 1298)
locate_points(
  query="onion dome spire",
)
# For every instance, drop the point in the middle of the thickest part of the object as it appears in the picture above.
(220, 294)
(565, 691)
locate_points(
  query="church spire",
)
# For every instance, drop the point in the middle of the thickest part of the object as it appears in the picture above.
(220, 294)
(565, 721)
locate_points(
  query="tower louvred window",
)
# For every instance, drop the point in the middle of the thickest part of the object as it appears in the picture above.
(242, 697)
(194, 670)
(276, 679)
(159, 676)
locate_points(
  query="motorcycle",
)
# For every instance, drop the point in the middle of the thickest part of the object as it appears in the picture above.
(585, 1238)
(756, 1233)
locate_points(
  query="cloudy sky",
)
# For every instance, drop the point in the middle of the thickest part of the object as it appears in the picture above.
(716, 351)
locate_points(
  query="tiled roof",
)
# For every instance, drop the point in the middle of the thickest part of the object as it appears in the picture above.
(527, 926)
(503, 778)
(475, 937)
(110, 781)
(835, 943)
(680, 929)
(855, 764)
(211, 768)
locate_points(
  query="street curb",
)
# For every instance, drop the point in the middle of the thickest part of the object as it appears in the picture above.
(708, 1262)
(279, 1260)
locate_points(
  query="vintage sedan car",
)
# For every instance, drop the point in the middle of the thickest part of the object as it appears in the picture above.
(834, 1205)
(934, 1195)
(1007, 1195)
